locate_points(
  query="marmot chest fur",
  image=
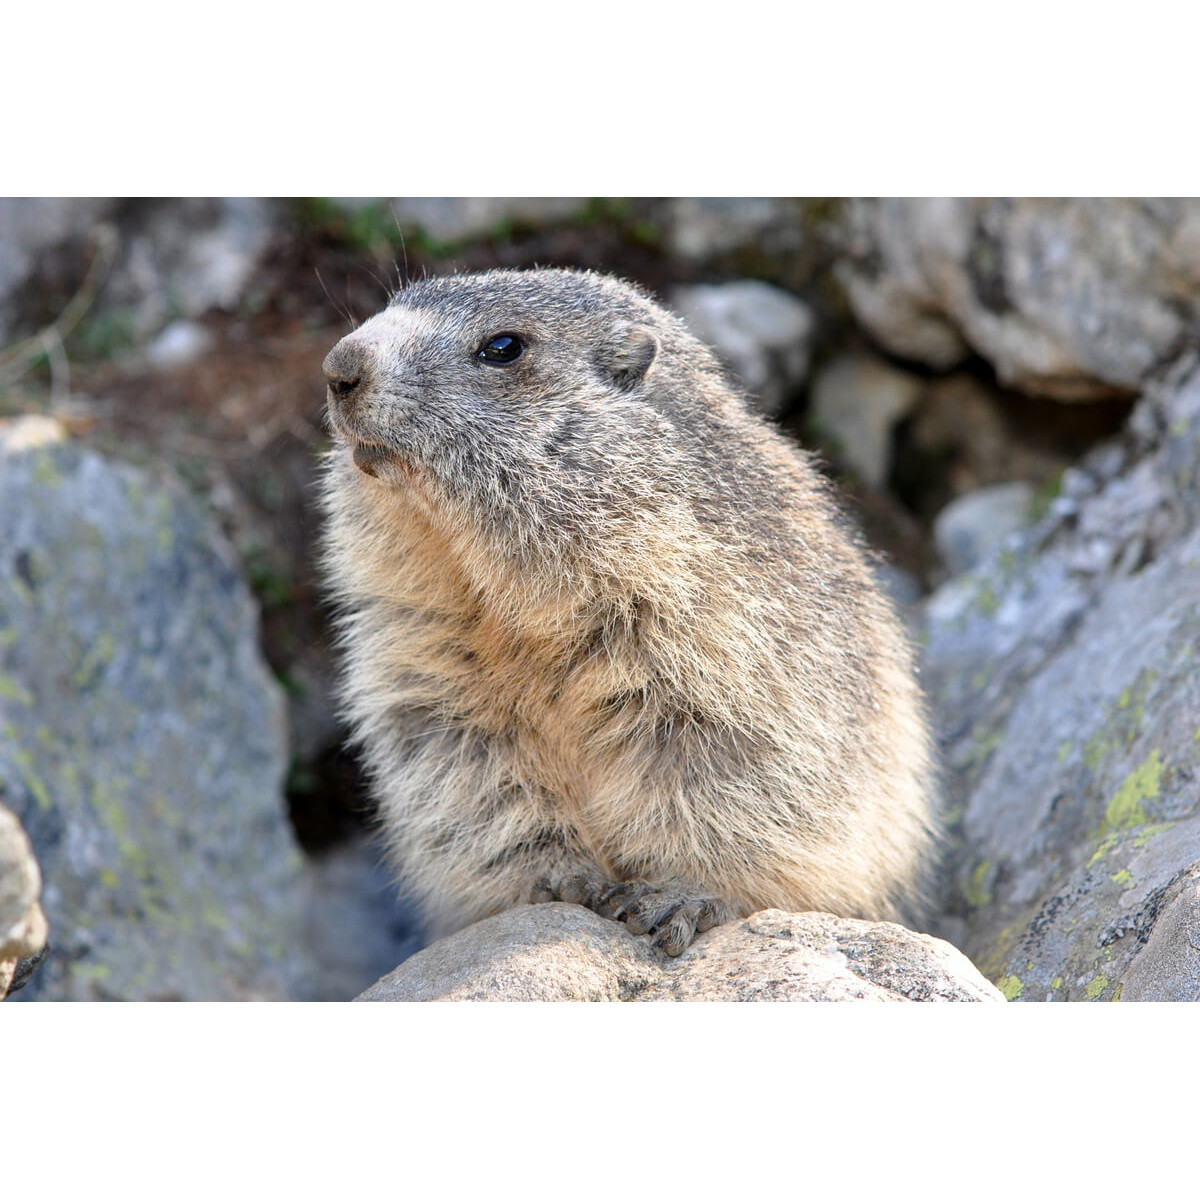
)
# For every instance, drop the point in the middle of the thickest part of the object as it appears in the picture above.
(606, 637)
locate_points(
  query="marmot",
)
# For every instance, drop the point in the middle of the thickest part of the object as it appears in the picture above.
(607, 637)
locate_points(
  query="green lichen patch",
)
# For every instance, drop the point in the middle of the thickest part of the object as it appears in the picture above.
(90, 972)
(1126, 810)
(11, 690)
(977, 891)
(992, 961)
(986, 602)
(1122, 877)
(983, 743)
(1136, 703)
(99, 655)
(30, 778)
(1123, 724)
(1010, 987)
(1095, 987)
(1152, 831)
(1096, 750)
(45, 471)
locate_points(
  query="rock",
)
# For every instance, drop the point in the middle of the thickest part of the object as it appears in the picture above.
(29, 229)
(356, 929)
(457, 219)
(902, 587)
(564, 952)
(172, 258)
(141, 741)
(1168, 966)
(29, 432)
(180, 343)
(1066, 693)
(761, 333)
(22, 922)
(181, 258)
(967, 434)
(1069, 299)
(700, 228)
(972, 526)
(856, 402)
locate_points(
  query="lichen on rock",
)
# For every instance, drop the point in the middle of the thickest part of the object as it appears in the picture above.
(1081, 824)
(141, 740)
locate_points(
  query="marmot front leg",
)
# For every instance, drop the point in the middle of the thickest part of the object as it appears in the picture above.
(674, 913)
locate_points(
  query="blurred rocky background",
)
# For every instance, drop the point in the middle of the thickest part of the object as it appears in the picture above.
(1007, 391)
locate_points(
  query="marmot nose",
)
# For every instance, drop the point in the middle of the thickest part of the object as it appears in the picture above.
(345, 368)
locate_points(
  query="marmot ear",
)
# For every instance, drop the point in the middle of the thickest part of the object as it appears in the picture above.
(627, 354)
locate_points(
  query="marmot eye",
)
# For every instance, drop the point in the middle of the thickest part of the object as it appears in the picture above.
(504, 348)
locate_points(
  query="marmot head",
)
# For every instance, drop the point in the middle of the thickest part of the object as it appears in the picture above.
(545, 404)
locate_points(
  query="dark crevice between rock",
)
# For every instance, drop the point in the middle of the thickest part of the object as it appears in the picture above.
(922, 476)
(26, 968)
(1141, 922)
(328, 800)
(985, 266)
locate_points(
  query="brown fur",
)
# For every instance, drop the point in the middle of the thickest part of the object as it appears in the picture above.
(603, 624)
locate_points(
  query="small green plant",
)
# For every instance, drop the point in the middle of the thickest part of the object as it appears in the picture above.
(599, 210)
(646, 232)
(1044, 496)
(371, 228)
(108, 334)
(269, 581)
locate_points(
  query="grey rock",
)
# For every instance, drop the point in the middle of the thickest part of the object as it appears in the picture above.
(357, 929)
(29, 432)
(564, 952)
(1071, 299)
(180, 343)
(856, 402)
(457, 218)
(1168, 966)
(1067, 698)
(174, 258)
(181, 258)
(29, 228)
(701, 228)
(22, 922)
(761, 333)
(974, 525)
(902, 586)
(141, 740)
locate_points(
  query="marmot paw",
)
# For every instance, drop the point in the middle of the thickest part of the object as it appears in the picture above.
(674, 916)
(584, 888)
